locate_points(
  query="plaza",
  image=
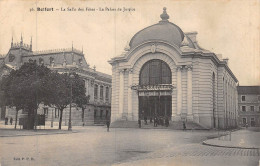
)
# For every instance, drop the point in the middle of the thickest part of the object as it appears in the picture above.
(93, 145)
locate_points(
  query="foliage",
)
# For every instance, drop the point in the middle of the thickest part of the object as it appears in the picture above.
(34, 84)
(22, 88)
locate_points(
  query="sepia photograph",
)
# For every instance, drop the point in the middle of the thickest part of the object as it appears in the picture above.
(129, 83)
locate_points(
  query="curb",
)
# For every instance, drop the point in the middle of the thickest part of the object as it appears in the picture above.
(20, 135)
(238, 147)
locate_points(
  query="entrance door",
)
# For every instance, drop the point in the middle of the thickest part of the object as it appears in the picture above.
(151, 106)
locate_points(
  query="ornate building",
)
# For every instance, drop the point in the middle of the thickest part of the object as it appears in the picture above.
(164, 72)
(249, 105)
(98, 85)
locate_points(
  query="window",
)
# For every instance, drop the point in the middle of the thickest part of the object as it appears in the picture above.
(95, 91)
(155, 72)
(95, 113)
(258, 98)
(244, 108)
(45, 112)
(243, 98)
(56, 112)
(252, 108)
(244, 121)
(106, 113)
(107, 93)
(259, 109)
(101, 113)
(101, 92)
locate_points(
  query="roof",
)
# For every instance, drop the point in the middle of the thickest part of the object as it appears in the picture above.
(248, 90)
(162, 31)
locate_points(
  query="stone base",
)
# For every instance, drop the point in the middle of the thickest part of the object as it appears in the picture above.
(190, 118)
(176, 118)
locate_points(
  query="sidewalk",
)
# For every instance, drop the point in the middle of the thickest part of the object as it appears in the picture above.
(9, 131)
(244, 138)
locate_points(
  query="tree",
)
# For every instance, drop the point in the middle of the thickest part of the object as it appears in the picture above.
(23, 89)
(79, 94)
(58, 88)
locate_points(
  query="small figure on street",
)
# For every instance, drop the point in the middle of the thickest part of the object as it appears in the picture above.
(246, 125)
(151, 120)
(139, 123)
(184, 126)
(145, 120)
(11, 121)
(155, 122)
(108, 124)
(166, 122)
(162, 121)
(6, 121)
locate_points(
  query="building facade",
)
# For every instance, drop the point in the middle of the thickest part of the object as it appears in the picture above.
(249, 105)
(164, 72)
(97, 84)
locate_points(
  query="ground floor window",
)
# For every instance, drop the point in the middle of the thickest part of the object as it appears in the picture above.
(244, 121)
(101, 113)
(252, 121)
(45, 110)
(95, 113)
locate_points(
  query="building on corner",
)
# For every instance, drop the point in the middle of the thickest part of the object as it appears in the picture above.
(249, 105)
(97, 84)
(163, 72)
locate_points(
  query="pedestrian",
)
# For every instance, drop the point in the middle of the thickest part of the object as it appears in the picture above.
(108, 125)
(6, 121)
(155, 122)
(145, 120)
(151, 120)
(139, 123)
(166, 122)
(184, 126)
(11, 121)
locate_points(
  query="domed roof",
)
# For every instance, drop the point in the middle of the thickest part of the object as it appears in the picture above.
(163, 31)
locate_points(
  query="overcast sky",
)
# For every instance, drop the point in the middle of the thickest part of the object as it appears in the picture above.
(230, 28)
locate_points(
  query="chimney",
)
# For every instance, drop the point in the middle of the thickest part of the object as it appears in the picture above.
(226, 60)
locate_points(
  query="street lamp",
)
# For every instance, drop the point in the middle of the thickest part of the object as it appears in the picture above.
(69, 126)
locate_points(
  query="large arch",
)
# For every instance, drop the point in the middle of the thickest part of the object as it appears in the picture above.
(137, 69)
(155, 103)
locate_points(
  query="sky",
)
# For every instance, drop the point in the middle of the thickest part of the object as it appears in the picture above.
(227, 27)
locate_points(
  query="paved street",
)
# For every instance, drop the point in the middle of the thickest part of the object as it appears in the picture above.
(95, 146)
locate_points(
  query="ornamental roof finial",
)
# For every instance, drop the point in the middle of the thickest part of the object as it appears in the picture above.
(21, 38)
(31, 44)
(12, 42)
(164, 15)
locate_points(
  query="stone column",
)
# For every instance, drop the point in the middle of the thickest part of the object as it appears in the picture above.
(87, 88)
(189, 92)
(130, 110)
(179, 91)
(98, 92)
(121, 93)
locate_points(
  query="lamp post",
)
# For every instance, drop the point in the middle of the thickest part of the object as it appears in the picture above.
(69, 126)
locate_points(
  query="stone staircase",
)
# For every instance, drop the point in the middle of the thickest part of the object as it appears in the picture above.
(174, 125)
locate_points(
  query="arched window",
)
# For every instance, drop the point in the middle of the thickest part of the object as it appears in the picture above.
(155, 72)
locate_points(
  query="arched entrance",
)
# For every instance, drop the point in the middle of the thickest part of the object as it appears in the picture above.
(154, 91)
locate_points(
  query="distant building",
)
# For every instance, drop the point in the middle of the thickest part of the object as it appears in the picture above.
(249, 105)
(163, 72)
(98, 85)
